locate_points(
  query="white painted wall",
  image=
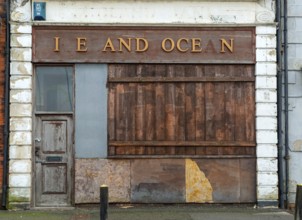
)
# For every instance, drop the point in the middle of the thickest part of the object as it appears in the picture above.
(195, 13)
(295, 95)
(157, 12)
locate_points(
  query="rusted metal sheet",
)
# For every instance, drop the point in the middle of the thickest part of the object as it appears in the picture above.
(232, 180)
(143, 45)
(179, 117)
(167, 180)
(158, 181)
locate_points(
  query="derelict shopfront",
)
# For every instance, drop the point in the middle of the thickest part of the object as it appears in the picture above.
(161, 115)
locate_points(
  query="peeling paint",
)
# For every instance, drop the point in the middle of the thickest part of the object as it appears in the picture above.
(21, 82)
(198, 187)
(19, 138)
(267, 193)
(297, 146)
(21, 29)
(19, 10)
(21, 96)
(21, 40)
(22, 69)
(272, 52)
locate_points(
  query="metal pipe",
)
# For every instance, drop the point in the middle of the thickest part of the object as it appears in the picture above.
(286, 128)
(6, 106)
(279, 104)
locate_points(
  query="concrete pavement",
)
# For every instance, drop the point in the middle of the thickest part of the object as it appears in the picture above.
(153, 212)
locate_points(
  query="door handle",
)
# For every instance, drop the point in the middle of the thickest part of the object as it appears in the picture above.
(38, 139)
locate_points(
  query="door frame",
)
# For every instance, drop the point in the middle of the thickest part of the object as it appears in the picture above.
(34, 113)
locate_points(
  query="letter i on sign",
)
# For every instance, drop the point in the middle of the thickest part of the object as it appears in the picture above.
(57, 41)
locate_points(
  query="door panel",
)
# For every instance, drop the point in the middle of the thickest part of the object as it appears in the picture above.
(54, 160)
(54, 136)
(54, 178)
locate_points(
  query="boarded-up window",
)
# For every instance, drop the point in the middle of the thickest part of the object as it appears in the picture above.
(174, 110)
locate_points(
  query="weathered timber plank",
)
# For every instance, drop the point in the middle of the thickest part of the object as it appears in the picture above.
(120, 117)
(111, 150)
(219, 112)
(111, 112)
(230, 109)
(183, 143)
(190, 99)
(180, 116)
(182, 156)
(132, 104)
(200, 106)
(190, 124)
(180, 79)
(250, 111)
(240, 125)
(209, 112)
(170, 107)
(160, 119)
(150, 111)
(140, 111)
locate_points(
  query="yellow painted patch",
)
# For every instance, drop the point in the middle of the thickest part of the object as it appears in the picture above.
(198, 187)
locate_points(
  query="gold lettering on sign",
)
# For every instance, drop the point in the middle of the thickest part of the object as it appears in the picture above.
(81, 44)
(168, 45)
(210, 48)
(164, 46)
(57, 49)
(196, 45)
(109, 45)
(225, 43)
(142, 41)
(178, 45)
(123, 43)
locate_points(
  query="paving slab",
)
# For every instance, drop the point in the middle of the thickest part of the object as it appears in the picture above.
(153, 212)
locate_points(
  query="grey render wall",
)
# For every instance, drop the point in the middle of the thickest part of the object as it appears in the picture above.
(90, 111)
(295, 94)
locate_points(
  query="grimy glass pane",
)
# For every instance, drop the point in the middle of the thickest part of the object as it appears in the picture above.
(54, 88)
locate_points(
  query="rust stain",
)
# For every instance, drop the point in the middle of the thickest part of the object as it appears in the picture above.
(198, 187)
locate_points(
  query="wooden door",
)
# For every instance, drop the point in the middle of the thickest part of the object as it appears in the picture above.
(53, 160)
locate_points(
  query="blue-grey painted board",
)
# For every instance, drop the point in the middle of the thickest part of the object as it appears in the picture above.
(91, 111)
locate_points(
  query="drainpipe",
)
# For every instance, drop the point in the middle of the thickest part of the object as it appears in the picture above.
(286, 142)
(279, 104)
(6, 106)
